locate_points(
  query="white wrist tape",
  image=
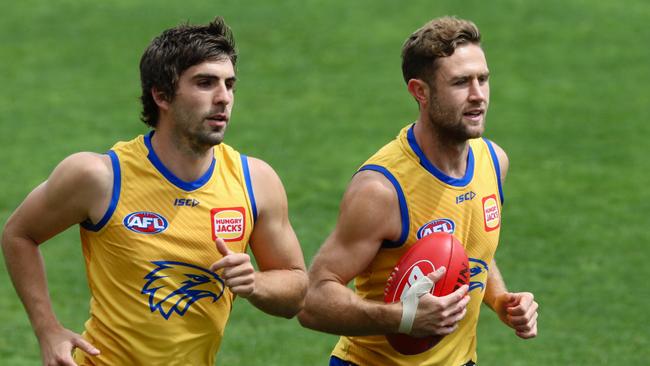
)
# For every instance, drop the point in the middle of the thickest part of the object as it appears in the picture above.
(411, 300)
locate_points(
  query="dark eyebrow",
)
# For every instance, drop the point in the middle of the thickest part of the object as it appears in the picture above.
(465, 77)
(212, 76)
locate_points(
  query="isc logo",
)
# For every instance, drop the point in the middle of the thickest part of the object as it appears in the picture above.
(144, 222)
(414, 273)
(465, 197)
(186, 202)
(436, 226)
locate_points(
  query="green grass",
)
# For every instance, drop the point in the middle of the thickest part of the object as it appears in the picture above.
(319, 90)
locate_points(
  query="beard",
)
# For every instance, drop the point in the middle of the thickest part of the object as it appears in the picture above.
(192, 131)
(448, 121)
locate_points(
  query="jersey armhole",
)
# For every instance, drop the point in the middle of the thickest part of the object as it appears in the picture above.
(115, 196)
(497, 168)
(403, 209)
(249, 185)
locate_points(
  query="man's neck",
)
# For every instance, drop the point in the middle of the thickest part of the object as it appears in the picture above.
(449, 156)
(178, 157)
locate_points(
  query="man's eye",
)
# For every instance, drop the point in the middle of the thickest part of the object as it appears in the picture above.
(204, 83)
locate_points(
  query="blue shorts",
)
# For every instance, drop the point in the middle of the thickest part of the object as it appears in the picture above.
(335, 361)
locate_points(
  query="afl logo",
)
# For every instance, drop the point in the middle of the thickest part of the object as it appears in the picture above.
(145, 222)
(415, 272)
(436, 226)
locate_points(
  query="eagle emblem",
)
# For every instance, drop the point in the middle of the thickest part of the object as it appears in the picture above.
(174, 286)
(479, 267)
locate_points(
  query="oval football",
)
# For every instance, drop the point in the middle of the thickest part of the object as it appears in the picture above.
(430, 252)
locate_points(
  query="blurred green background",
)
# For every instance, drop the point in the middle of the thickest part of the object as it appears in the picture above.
(319, 90)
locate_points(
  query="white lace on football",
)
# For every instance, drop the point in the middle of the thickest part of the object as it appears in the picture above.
(411, 300)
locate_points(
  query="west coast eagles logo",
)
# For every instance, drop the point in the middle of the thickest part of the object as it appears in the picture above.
(174, 286)
(478, 274)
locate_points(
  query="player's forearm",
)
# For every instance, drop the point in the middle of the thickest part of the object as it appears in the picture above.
(280, 292)
(334, 308)
(495, 286)
(27, 272)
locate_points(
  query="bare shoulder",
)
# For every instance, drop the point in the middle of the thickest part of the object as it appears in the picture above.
(78, 188)
(270, 196)
(83, 171)
(372, 184)
(369, 215)
(370, 204)
(262, 171)
(85, 181)
(91, 165)
(504, 162)
(273, 241)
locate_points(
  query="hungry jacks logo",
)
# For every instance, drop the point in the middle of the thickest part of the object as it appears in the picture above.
(228, 223)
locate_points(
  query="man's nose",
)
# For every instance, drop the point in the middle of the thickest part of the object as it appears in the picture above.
(222, 94)
(476, 91)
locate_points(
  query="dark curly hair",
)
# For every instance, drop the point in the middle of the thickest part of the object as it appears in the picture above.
(176, 50)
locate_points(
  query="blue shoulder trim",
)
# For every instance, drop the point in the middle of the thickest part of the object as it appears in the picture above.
(497, 168)
(403, 209)
(186, 186)
(249, 184)
(115, 196)
(456, 182)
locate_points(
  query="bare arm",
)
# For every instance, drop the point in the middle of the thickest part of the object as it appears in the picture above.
(369, 215)
(330, 306)
(517, 310)
(279, 287)
(74, 192)
(495, 287)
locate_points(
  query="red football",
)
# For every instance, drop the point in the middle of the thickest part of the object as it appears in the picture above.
(430, 252)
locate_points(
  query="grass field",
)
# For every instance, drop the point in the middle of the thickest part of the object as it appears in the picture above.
(319, 90)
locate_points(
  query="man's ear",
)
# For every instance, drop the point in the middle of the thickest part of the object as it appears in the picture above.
(160, 98)
(420, 91)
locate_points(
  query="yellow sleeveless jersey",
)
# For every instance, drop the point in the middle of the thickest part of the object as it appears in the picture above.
(430, 201)
(154, 299)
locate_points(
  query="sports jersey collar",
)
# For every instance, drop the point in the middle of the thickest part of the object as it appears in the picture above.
(187, 186)
(426, 164)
